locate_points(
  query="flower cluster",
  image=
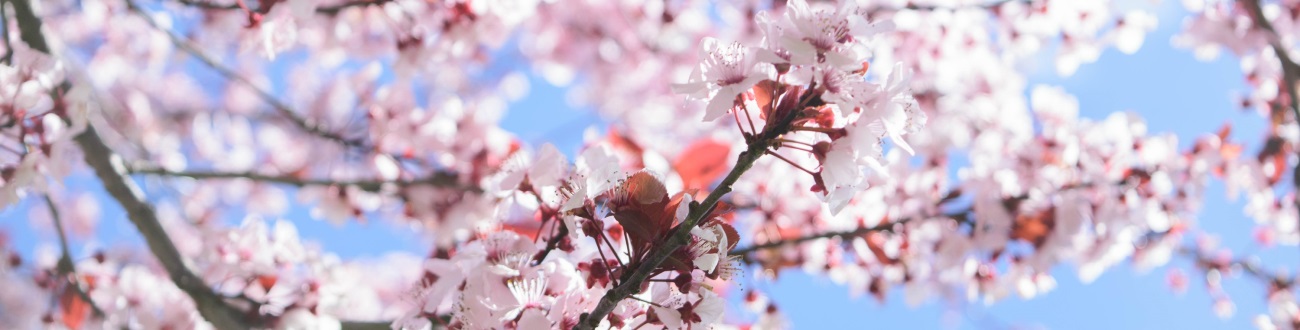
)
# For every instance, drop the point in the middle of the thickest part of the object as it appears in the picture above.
(597, 223)
(35, 127)
(824, 50)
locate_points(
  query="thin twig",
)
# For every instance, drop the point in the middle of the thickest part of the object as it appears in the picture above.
(66, 267)
(275, 103)
(962, 216)
(437, 179)
(884, 226)
(989, 5)
(324, 10)
(1249, 266)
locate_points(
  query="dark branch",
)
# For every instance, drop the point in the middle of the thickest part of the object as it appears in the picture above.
(988, 5)
(324, 10)
(108, 167)
(65, 266)
(437, 179)
(1290, 76)
(882, 227)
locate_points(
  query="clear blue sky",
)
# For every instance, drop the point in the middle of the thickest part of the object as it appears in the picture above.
(1171, 90)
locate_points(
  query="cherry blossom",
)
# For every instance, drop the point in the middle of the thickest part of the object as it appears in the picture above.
(890, 146)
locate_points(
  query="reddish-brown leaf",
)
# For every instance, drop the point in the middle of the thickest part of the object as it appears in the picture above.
(733, 236)
(763, 92)
(628, 151)
(528, 229)
(702, 163)
(267, 281)
(641, 205)
(1034, 227)
(75, 309)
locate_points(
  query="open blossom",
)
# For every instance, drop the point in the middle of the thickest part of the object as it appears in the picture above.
(817, 35)
(725, 71)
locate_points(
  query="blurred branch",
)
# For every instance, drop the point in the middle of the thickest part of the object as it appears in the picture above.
(988, 5)
(65, 266)
(280, 107)
(1290, 76)
(963, 216)
(960, 217)
(437, 179)
(1290, 69)
(325, 10)
(1250, 266)
(108, 167)
(4, 29)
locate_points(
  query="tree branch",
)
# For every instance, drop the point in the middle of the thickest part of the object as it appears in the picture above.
(886, 226)
(1290, 76)
(108, 167)
(437, 179)
(280, 107)
(324, 10)
(988, 5)
(631, 282)
(65, 266)
(1251, 267)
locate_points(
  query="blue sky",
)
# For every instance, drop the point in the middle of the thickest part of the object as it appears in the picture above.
(1167, 86)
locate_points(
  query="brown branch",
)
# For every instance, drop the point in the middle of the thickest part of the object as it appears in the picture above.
(324, 10)
(1250, 267)
(631, 282)
(988, 5)
(437, 179)
(65, 266)
(108, 167)
(370, 325)
(962, 216)
(275, 103)
(882, 227)
(1290, 76)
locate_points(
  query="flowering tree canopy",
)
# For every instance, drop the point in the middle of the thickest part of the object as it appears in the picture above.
(884, 144)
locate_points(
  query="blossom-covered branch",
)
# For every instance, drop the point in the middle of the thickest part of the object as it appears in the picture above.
(108, 168)
(631, 283)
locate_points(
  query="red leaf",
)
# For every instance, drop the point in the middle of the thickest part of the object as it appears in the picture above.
(641, 205)
(702, 163)
(528, 229)
(267, 281)
(628, 151)
(733, 236)
(74, 309)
